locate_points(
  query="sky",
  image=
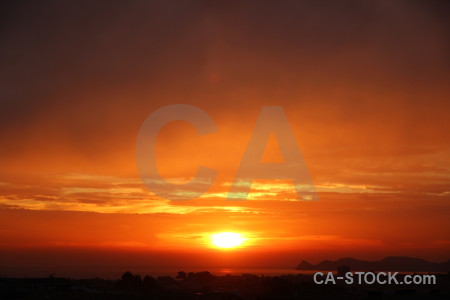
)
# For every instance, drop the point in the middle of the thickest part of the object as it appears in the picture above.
(364, 85)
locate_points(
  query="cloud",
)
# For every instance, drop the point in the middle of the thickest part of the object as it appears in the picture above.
(364, 85)
(80, 78)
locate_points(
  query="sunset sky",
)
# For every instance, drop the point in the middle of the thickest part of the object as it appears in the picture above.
(364, 84)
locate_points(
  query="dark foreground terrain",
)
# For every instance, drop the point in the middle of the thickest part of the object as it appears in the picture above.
(205, 286)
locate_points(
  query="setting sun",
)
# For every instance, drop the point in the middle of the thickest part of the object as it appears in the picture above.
(227, 239)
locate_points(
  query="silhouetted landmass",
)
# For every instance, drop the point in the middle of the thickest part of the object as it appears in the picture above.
(390, 263)
(206, 286)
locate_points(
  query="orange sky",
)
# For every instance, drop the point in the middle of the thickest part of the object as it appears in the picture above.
(365, 89)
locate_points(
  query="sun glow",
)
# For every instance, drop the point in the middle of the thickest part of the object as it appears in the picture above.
(227, 239)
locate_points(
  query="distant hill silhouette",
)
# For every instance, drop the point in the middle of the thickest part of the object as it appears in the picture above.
(390, 263)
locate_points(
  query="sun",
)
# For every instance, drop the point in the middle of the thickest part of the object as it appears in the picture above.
(227, 239)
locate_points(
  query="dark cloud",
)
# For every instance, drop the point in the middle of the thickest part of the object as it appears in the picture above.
(82, 75)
